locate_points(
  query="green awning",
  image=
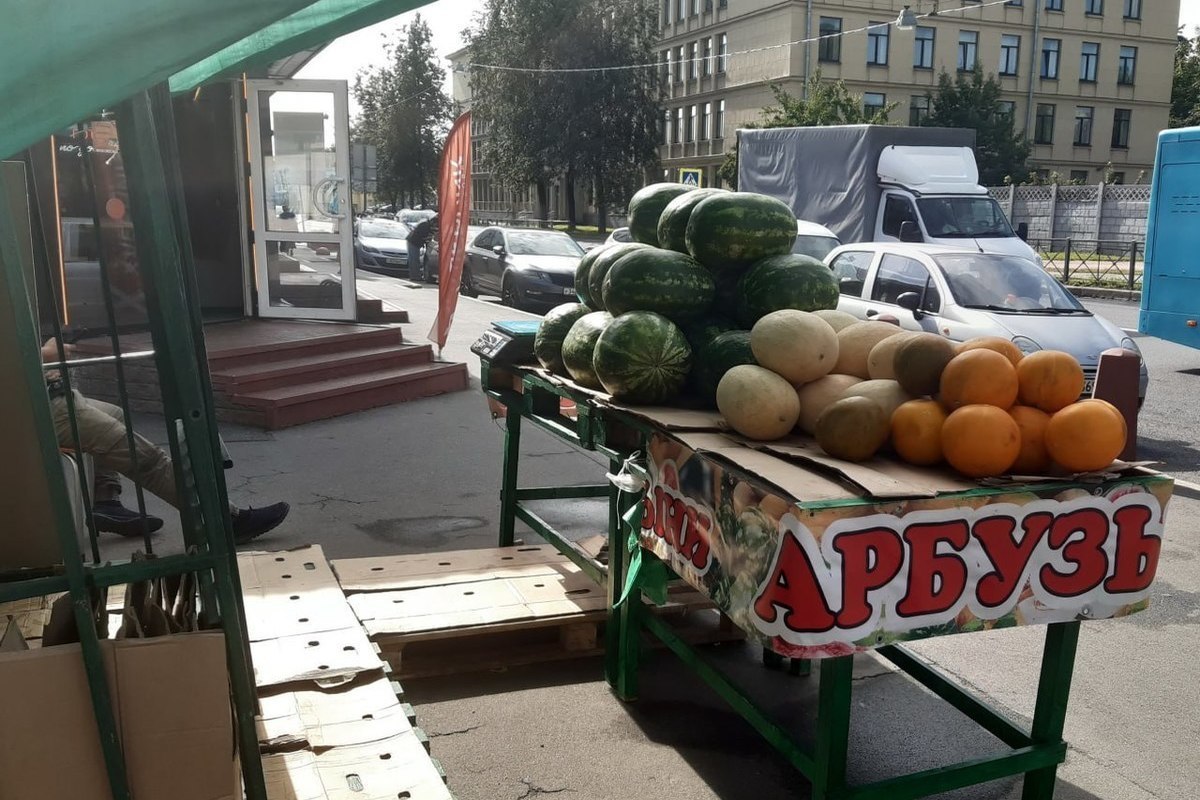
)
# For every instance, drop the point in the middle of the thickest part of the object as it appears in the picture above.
(315, 25)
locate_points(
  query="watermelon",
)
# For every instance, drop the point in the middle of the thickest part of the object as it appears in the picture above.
(700, 332)
(643, 358)
(672, 225)
(600, 266)
(724, 352)
(578, 345)
(548, 343)
(646, 206)
(787, 281)
(670, 283)
(582, 289)
(729, 231)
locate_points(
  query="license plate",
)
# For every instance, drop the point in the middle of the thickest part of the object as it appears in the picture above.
(568, 292)
(396, 260)
(1088, 386)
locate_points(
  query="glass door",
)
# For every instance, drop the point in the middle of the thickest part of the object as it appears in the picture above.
(303, 220)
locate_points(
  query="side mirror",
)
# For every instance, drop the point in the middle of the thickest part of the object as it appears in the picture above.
(909, 232)
(1023, 231)
(911, 301)
(498, 249)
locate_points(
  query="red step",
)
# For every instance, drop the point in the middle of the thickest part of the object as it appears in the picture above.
(270, 352)
(306, 368)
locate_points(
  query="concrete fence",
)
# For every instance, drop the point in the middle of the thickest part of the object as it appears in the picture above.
(1096, 213)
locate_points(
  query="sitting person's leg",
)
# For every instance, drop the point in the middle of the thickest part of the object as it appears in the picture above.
(111, 515)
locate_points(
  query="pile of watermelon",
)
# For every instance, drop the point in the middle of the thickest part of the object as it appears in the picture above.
(665, 317)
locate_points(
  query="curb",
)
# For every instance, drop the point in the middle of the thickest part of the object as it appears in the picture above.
(1102, 293)
(1187, 489)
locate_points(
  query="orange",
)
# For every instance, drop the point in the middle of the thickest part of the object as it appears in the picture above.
(917, 432)
(978, 376)
(1033, 459)
(1049, 380)
(1085, 436)
(995, 343)
(981, 441)
(1115, 410)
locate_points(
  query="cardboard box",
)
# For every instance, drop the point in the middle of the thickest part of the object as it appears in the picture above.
(170, 697)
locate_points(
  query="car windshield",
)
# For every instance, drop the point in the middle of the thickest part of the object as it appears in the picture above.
(382, 229)
(621, 235)
(530, 243)
(962, 217)
(1005, 283)
(816, 246)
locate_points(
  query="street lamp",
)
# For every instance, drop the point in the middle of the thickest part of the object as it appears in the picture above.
(907, 20)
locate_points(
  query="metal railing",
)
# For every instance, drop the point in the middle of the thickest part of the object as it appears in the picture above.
(1093, 262)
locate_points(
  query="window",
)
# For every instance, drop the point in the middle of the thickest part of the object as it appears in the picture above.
(695, 8)
(1133, 9)
(705, 122)
(1054, 5)
(666, 12)
(1010, 51)
(968, 44)
(1121, 119)
(664, 128)
(1050, 51)
(1017, 3)
(918, 109)
(1089, 57)
(694, 60)
(679, 63)
(1078, 177)
(923, 47)
(722, 53)
(664, 70)
(1094, 7)
(1043, 129)
(690, 129)
(877, 43)
(899, 275)
(706, 62)
(719, 121)
(677, 127)
(850, 271)
(873, 103)
(1083, 125)
(1126, 65)
(1007, 110)
(1117, 178)
(681, 9)
(829, 49)
(896, 210)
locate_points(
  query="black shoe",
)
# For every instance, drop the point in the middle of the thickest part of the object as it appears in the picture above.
(112, 517)
(250, 523)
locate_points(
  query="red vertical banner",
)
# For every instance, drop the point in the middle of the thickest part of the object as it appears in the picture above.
(454, 214)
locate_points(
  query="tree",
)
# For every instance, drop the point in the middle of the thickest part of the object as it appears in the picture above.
(827, 103)
(405, 114)
(592, 125)
(972, 101)
(1185, 88)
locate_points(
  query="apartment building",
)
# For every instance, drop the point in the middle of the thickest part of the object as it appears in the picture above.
(1088, 81)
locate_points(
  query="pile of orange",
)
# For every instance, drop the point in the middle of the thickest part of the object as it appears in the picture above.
(998, 411)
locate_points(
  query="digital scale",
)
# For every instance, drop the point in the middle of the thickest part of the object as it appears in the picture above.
(508, 342)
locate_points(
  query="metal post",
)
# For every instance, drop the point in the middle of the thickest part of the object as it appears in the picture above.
(833, 727)
(1098, 227)
(1053, 209)
(1050, 712)
(1066, 260)
(508, 483)
(1133, 254)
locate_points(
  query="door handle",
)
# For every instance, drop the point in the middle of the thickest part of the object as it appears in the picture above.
(327, 199)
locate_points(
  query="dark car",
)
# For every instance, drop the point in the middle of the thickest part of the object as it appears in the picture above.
(529, 269)
(381, 245)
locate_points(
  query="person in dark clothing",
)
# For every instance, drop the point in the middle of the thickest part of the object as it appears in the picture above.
(418, 237)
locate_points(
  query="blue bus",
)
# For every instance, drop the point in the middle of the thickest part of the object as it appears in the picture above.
(1171, 282)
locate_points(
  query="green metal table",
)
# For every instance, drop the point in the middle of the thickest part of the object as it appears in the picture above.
(640, 562)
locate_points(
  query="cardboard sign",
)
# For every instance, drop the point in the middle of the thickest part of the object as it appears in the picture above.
(814, 582)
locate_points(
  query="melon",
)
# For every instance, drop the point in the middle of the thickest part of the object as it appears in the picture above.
(888, 395)
(852, 429)
(797, 345)
(920, 360)
(815, 397)
(757, 403)
(855, 343)
(881, 361)
(836, 319)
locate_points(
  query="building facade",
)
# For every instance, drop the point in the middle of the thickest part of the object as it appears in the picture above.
(1087, 81)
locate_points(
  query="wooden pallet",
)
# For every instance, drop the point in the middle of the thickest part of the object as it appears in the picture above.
(494, 608)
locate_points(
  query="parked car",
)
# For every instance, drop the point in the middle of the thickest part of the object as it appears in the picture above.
(381, 245)
(619, 236)
(963, 293)
(432, 250)
(526, 268)
(814, 240)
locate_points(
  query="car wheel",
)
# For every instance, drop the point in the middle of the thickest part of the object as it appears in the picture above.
(510, 295)
(466, 286)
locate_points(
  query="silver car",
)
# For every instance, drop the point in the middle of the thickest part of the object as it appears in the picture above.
(962, 293)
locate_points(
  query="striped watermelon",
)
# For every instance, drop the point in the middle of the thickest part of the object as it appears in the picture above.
(670, 283)
(646, 206)
(672, 225)
(787, 281)
(641, 357)
(700, 332)
(729, 231)
(578, 345)
(548, 343)
(582, 289)
(600, 266)
(724, 352)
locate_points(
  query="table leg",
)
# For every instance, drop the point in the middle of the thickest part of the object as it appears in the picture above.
(1050, 713)
(623, 631)
(508, 484)
(833, 727)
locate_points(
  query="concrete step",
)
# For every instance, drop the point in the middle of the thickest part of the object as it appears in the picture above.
(306, 368)
(297, 404)
(373, 310)
(333, 342)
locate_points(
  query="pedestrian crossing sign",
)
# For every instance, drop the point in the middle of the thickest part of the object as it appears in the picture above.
(691, 177)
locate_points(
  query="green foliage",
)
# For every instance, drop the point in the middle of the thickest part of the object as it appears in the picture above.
(970, 100)
(1185, 88)
(405, 114)
(827, 103)
(599, 127)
